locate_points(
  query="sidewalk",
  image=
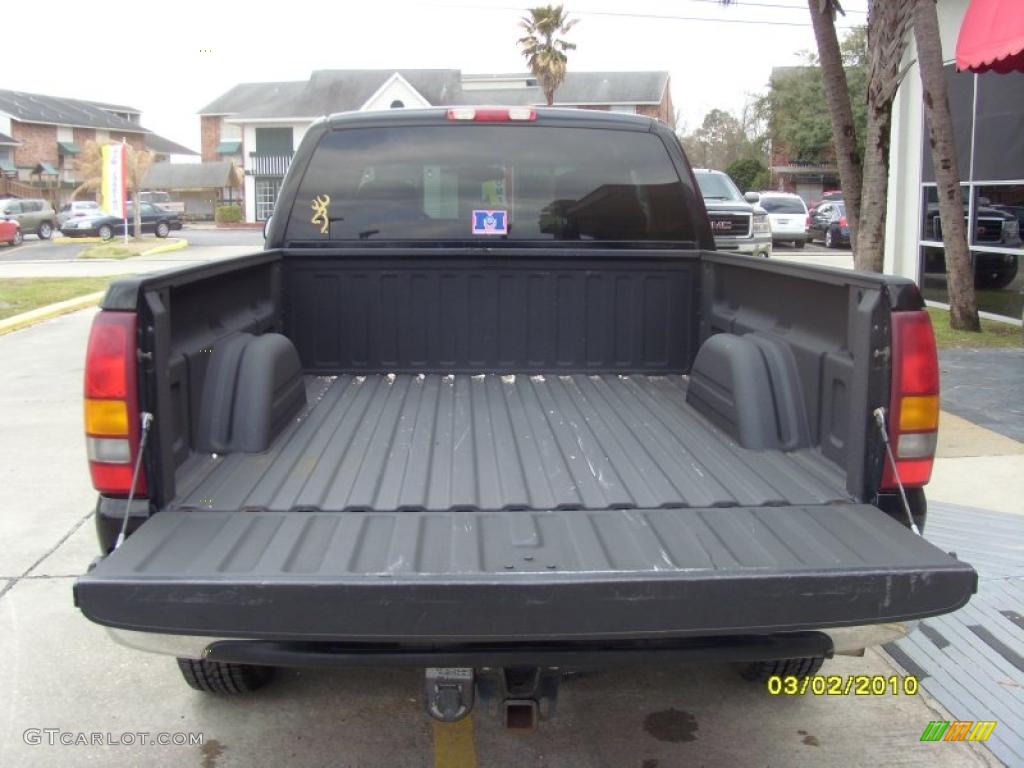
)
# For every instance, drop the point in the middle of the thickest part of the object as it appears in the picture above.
(110, 267)
(980, 458)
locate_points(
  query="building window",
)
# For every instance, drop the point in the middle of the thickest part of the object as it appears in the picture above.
(274, 141)
(267, 191)
(397, 104)
(987, 112)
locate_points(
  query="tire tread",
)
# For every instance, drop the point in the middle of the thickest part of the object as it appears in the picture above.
(222, 677)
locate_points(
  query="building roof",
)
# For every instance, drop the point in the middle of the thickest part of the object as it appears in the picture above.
(327, 91)
(213, 175)
(341, 90)
(6, 140)
(53, 110)
(612, 88)
(164, 146)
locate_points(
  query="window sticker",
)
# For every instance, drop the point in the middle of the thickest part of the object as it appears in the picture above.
(319, 206)
(488, 222)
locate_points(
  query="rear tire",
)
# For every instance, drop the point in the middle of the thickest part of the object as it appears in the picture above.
(106, 232)
(18, 238)
(799, 243)
(828, 239)
(45, 231)
(224, 678)
(760, 671)
(162, 230)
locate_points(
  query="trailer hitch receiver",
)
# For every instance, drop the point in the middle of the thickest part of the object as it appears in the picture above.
(448, 693)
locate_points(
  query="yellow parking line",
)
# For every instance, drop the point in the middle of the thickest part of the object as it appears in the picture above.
(453, 744)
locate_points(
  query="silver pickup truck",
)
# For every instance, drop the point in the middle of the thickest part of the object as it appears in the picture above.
(737, 222)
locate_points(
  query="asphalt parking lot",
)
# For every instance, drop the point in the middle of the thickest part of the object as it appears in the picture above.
(58, 671)
(60, 248)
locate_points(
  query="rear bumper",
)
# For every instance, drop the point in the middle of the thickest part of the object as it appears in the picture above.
(517, 576)
(825, 642)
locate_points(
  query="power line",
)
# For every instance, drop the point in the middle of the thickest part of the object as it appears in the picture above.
(656, 16)
(789, 7)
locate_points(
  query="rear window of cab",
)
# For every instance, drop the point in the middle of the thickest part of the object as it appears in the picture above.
(491, 183)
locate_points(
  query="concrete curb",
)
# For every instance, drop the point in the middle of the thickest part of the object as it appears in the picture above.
(25, 319)
(178, 245)
(63, 240)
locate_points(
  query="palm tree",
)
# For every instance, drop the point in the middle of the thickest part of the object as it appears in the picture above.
(90, 170)
(837, 94)
(888, 31)
(963, 306)
(544, 52)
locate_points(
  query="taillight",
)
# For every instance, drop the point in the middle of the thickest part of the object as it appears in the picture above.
(842, 222)
(492, 114)
(111, 404)
(807, 222)
(914, 405)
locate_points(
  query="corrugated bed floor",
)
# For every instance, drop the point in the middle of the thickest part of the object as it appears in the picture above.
(972, 660)
(432, 442)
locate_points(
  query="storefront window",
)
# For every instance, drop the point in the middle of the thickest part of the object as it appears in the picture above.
(988, 111)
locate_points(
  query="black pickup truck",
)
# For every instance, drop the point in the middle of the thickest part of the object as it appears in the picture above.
(490, 404)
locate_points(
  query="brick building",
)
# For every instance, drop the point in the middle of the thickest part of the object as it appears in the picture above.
(41, 137)
(258, 126)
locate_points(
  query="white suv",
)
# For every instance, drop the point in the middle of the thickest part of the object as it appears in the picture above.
(77, 209)
(787, 214)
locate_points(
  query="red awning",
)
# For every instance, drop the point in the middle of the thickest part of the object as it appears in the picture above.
(992, 37)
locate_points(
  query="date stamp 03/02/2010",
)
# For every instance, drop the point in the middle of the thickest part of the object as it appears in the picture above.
(842, 685)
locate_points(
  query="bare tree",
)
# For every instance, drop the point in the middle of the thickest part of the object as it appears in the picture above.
(963, 307)
(888, 28)
(837, 94)
(137, 164)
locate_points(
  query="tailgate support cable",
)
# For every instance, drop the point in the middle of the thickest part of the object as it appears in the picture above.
(147, 422)
(880, 421)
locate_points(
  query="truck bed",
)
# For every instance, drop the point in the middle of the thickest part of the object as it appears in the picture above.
(432, 442)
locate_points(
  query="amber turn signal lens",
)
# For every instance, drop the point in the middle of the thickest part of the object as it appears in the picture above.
(919, 413)
(106, 417)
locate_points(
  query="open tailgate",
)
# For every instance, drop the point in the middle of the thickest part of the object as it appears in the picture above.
(518, 575)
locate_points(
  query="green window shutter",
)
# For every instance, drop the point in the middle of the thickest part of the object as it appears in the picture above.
(273, 141)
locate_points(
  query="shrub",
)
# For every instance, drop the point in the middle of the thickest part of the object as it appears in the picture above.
(228, 214)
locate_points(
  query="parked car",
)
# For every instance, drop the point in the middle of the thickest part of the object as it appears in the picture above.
(10, 231)
(530, 432)
(36, 216)
(787, 214)
(154, 219)
(77, 209)
(828, 223)
(737, 222)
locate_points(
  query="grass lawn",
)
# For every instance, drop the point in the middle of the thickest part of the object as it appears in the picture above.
(117, 249)
(21, 294)
(993, 333)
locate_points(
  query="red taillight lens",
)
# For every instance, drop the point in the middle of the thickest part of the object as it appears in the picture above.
(111, 404)
(914, 405)
(111, 349)
(842, 222)
(807, 223)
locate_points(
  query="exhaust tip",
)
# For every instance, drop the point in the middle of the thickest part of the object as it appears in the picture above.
(520, 714)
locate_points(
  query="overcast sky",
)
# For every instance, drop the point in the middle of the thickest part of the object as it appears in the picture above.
(170, 59)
